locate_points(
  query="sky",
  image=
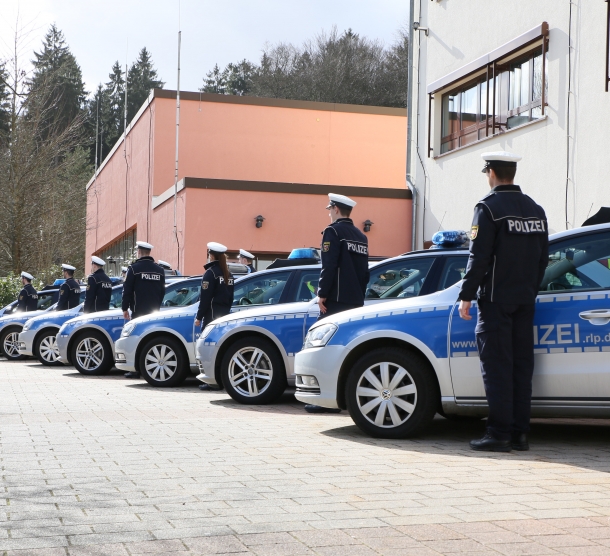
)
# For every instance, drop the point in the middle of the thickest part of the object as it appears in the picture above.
(99, 33)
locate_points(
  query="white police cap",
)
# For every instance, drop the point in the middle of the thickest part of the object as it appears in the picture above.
(217, 247)
(97, 260)
(336, 199)
(27, 275)
(143, 245)
(244, 253)
(123, 269)
(500, 159)
(68, 267)
(164, 264)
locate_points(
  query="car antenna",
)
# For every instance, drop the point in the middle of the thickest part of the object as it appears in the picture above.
(443, 218)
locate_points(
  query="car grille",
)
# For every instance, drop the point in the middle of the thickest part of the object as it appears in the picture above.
(304, 390)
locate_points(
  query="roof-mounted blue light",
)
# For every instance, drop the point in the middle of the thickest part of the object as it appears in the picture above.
(449, 238)
(304, 253)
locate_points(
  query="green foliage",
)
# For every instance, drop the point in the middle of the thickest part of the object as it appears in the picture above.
(10, 286)
(344, 68)
(141, 78)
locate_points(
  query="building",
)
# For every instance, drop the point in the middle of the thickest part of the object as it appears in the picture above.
(243, 158)
(527, 77)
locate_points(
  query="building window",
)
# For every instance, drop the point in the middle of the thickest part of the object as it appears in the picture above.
(119, 253)
(515, 98)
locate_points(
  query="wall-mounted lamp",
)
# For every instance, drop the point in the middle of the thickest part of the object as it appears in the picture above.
(259, 221)
(367, 225)
(417, 27)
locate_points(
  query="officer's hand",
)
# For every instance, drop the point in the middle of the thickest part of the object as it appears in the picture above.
(321, 301)
(197, 322)
(465, 310)
(126, 315)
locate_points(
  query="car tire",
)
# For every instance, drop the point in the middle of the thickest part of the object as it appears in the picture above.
(163, 362)
(8, 343)
(253, 371)
(91, 353)
(392, 393)
(45, 348)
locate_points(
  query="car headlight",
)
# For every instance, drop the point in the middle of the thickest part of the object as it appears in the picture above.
(320, 335)
(128, 329)
(26, 326)
(206, 331)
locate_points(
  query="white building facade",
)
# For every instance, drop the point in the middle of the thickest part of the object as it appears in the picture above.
(530, 77)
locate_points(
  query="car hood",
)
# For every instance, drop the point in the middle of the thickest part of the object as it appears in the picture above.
(280, 309)
(20, 317)
(445, 298)
(101, 315)
(45, 316)
(189, 310)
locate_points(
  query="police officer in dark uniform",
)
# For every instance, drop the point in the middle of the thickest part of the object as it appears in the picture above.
(99, 288)
(508, 257)
(345, 260)
(69, 291)
(246, 258)
(143, 289)
(28, 296)
(216, 296)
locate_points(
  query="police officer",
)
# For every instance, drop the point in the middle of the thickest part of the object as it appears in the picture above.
(144, 287)
(216, 295)
(28, 296)
(99, 288)
(165, 266)
(69, 291)
(345, 260)
(247, 258)
(508, 257)
(123, 273)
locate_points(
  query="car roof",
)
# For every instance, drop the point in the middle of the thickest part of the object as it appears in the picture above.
(581, 229)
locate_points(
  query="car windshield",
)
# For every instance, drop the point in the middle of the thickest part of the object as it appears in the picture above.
(45, 300)
(181, 295)
(403, 278)
(257, 291)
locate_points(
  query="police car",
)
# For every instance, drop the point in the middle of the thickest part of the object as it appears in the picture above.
(87, 341)
(12, 324)
(37, 338)
(394, 366)
(252, 354)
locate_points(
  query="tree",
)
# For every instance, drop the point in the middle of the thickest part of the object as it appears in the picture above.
(5, 105)
(112, 108)
(141, 78)
(59, 76)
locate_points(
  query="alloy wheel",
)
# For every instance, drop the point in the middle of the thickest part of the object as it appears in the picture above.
(48, 349)
(10, 346)
(89, 354)
(250, 371)
(386, 395)
(161, 362)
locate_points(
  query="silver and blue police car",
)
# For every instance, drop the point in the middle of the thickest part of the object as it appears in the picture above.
(12, 324)
(38, 336)
(252, 353)
(394, 366)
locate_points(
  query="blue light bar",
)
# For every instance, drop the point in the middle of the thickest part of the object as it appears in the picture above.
(449, 238)
(303, 253)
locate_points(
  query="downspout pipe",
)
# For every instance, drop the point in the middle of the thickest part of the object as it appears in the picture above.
(410, 96)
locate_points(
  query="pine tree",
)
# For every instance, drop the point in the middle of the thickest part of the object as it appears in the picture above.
(141, 78)
(57, 80)
(5, 105)
(112, 108)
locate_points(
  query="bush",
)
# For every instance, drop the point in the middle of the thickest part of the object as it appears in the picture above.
(10, 285)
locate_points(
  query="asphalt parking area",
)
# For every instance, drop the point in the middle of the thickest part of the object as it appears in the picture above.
(106, 465)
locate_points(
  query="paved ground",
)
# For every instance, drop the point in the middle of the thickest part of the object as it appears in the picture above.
(111, 466)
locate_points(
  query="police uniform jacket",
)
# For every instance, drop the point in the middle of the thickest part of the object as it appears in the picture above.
(69, 295)
(250, 268)
(345, 263)
(99, 292)
(508, 248)
(216, 295)
(144, 287)
(28, 299)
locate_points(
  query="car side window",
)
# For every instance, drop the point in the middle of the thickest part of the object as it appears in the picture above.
(399, 279)
(44, 301)
(453, 272)
(263, 290)
(307, 288)
(579, 263)
(181, 294)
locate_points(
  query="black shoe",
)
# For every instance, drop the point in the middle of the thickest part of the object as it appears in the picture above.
(490, 444)
(310, 408)
(132, 374)
(207, 387)
(519, 442)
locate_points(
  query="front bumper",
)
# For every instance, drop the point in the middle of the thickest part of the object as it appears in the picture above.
(324, 363)
(125, 353)
(26, 342)
(205, 356)
(62, 345)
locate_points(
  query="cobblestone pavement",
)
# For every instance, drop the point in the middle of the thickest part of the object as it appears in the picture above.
(105, 465)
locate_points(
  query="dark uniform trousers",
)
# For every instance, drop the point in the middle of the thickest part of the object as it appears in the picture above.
(508, 257)
(505, 341)
(216, 296)
(345, 267)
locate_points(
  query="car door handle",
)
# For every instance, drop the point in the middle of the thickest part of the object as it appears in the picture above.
(596, 316)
